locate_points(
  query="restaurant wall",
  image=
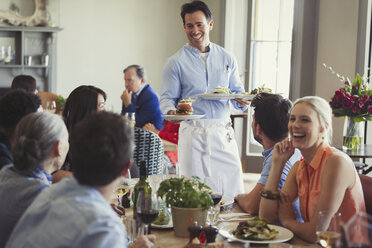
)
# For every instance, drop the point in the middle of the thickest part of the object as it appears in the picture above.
(336, 47)
(100, 38)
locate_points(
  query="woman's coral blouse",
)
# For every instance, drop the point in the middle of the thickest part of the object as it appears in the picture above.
(309, 191)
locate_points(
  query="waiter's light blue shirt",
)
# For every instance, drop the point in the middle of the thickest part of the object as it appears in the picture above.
(185, 76)
(17, 192)
(268, 155)
(69, 214)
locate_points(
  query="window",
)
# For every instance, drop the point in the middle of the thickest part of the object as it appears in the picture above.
(270, 52)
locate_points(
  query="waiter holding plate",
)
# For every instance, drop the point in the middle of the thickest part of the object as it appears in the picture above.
(206, 147)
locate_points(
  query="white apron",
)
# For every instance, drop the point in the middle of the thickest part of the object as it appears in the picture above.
(207, 148)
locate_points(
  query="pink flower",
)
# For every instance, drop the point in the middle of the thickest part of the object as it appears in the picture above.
(369, 109)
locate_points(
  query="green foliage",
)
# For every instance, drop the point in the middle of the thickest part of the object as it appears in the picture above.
(185, 193)
(60, 101)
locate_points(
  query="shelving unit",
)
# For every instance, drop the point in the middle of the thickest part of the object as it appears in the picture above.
(36, 42)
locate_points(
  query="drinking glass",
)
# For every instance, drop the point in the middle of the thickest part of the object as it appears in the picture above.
(124, 191)
(50, 106)
(328, 229)
(216, 185)
(134, 229)
(155, 181)
(147, 210)
(132, 117)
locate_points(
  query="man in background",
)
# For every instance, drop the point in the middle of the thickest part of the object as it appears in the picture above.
(76, 212)
(24, 82)
(140, 98)
(13, 107)
(269, 126)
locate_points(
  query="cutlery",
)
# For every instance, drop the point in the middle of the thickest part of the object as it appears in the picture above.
(235, 217)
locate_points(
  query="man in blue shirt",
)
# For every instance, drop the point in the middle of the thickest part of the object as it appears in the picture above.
(76, 211)
(206, 147)
(269, 126)
(140, 98)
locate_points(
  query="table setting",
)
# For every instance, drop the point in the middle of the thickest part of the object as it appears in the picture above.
(222, 218)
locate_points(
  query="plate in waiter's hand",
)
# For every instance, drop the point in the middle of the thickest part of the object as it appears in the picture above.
(181, 117)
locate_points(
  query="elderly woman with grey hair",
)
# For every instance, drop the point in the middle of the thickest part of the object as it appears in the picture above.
(40, 147)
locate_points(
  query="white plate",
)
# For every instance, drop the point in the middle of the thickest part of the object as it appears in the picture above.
(283, 235)
(211, 96)
(167, 226)
(182, 117)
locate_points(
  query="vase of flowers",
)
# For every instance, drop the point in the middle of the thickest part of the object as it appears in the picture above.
(354, 103)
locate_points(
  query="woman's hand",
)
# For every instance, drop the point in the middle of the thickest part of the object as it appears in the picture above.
(282, 152)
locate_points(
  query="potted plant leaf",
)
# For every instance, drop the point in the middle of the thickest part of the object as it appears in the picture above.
(189, 200)
(60, 104)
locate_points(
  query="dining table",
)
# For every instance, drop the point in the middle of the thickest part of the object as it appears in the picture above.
(165, 236)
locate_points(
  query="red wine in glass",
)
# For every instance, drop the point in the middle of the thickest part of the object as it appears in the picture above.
(147, 216)
(216, 198)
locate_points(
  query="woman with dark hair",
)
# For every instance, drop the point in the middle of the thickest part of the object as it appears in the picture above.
(39, 148)
(83, 101)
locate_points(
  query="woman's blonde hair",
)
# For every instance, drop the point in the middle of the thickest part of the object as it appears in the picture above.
(324, 112)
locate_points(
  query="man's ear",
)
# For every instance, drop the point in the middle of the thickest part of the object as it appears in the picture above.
(211, 25)
(258, 128)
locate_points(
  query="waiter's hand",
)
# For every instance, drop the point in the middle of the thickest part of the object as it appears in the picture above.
(242, 102)
(126, 97)
(173, 112)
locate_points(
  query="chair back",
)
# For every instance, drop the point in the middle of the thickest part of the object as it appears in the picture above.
(46, 96)
(149, 147)
(367, 191)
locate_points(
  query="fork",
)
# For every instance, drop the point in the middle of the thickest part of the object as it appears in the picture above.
(235, 217)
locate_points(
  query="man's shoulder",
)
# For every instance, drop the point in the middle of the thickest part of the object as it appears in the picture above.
(149, 92)
(220, 50)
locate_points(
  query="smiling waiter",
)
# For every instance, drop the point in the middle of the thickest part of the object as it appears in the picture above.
(206, 147)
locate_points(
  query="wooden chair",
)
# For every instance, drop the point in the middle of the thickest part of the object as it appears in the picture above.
(367, 191)
(46, 96)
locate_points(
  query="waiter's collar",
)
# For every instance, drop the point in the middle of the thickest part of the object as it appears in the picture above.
(195, 50)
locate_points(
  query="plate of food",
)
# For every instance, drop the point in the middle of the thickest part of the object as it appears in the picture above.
(255, 231)
(163, 221)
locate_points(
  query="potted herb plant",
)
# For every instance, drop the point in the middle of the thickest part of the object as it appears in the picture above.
(189, 200)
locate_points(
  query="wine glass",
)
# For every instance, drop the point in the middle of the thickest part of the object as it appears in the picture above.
(216, 185)
(147, 210)
(50, 106)
(123, 191)
(328, 229)
(132, 117)
(155, 181)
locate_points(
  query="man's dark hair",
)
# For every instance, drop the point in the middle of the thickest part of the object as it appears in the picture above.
(101, 147)
(24, 82)
(139, 70)
(15, 105)
(189, 8)
(81, 102)
(271, 112)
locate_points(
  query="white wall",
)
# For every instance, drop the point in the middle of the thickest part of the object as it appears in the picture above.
(337, 41)
(100, 38)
